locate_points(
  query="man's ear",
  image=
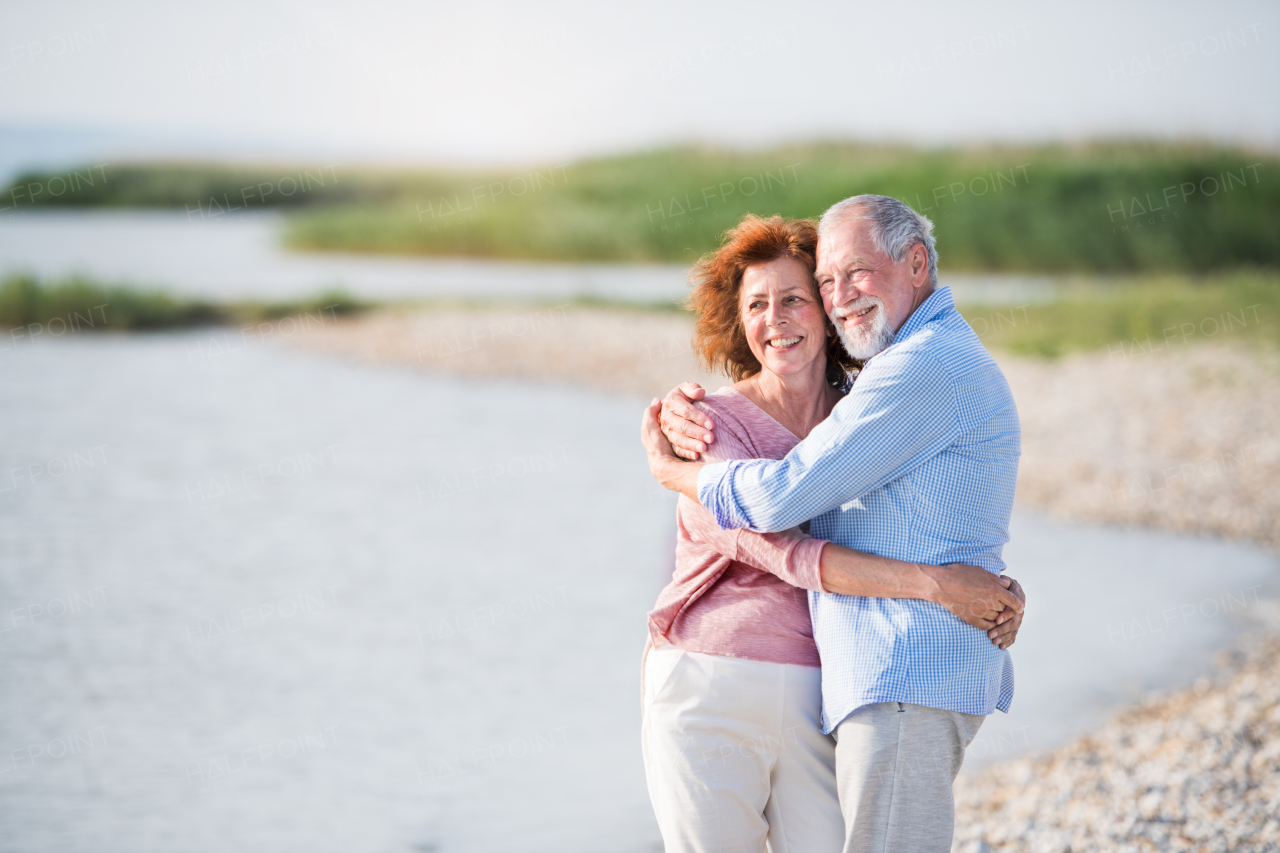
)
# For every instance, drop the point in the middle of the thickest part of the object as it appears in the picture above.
(919, 265)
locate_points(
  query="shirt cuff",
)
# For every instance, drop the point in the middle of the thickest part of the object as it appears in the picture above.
(709, 486)
(805, 564)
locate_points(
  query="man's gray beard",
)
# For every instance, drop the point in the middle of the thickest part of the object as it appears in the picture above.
(864, 344)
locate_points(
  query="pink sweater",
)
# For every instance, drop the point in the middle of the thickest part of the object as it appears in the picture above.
(734, 592)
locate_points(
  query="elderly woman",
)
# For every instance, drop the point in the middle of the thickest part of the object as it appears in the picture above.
(733, 748)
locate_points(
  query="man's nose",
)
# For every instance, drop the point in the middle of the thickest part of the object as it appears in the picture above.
(844, 292)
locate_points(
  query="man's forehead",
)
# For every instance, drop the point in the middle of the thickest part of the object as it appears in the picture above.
(838, 256)
(853, 238)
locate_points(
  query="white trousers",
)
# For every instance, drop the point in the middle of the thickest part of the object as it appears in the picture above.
(734, 755)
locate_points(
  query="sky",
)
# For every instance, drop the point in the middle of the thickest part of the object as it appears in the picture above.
(489, 83)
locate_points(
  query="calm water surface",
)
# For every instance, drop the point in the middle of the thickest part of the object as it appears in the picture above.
(240, 257)
(278, 602)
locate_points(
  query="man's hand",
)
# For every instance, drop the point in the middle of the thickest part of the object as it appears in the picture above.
(1009, 621)
(688, 430)
(667, 468)
(974, 594)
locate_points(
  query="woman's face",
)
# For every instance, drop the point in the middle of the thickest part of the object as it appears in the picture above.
(782, 316)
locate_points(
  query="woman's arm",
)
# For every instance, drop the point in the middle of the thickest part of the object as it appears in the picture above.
(973, 594)
(791, 555)
(981, 598)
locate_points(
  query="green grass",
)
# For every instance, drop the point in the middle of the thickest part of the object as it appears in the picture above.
(1126, 315)
(1133, 316)
(78, 305)
(203, 187)
(1057, 208)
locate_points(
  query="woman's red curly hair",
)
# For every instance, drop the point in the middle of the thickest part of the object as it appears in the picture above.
(718, 336)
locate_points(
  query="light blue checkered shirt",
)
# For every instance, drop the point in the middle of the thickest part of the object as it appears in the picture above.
(917, 463)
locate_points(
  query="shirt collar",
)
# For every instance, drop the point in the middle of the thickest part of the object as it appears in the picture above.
(939, 301)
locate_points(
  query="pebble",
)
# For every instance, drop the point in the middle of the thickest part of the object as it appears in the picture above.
(1197, 770)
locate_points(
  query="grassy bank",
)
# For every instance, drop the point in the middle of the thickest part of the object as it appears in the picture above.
(1133, 316)
(1129, 315)
(78, 305)
(205, 188)
(1113, 207)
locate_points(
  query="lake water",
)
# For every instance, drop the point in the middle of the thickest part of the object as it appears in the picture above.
(235, 257)
(273, 600)
(279, 602)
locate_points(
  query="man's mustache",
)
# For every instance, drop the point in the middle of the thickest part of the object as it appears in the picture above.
(860, 304)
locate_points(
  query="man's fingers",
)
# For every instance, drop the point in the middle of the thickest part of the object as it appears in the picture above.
(692, 390)
(685, 429)
(680, 406)
(677, 404)
(683, 434)
(682, 441)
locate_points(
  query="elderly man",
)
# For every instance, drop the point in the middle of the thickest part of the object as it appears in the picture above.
(918, 462)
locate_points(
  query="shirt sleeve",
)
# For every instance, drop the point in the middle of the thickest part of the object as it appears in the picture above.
(791, 555)
(901, 412)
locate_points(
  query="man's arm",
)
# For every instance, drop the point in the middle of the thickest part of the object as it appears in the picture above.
(901, 413)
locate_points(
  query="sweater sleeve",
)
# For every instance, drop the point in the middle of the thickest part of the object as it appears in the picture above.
(791, 555)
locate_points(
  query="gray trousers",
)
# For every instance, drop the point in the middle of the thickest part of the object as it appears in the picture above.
(895, 763)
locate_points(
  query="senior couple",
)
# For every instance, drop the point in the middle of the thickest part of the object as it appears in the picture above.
(837, 625)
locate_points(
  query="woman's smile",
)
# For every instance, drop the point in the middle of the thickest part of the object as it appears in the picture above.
(782, 317)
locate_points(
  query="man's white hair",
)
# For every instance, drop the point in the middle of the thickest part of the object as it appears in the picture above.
(895, 227)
